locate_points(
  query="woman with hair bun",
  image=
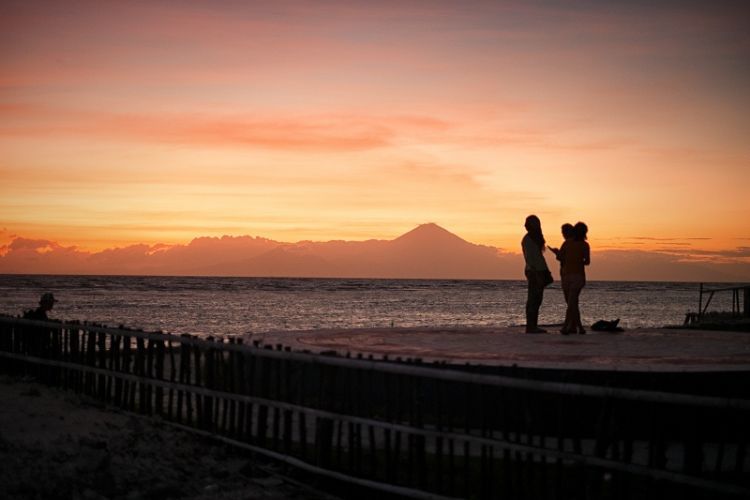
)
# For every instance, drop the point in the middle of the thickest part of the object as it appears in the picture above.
(574, 256)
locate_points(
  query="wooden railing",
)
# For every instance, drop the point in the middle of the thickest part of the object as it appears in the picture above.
(407, 429)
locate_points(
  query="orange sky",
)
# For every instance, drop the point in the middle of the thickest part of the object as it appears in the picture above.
(146, 122)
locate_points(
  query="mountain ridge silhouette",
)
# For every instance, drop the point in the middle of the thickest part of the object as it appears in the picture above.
(427, 251)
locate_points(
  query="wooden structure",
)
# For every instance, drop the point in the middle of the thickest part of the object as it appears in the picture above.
(408, 429)
(737, 310)
(740, 309)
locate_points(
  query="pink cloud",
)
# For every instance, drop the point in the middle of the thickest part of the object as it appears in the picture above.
(334, 132)
(26, 244)
(302, 133)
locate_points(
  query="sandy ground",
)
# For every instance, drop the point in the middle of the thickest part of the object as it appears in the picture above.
(641, 349)
(55, 444)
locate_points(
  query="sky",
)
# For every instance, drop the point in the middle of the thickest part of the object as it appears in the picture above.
(157, 122)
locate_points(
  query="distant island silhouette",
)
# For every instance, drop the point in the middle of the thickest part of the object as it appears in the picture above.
(426, 252)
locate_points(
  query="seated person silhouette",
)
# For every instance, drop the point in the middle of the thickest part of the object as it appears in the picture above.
(46, 303)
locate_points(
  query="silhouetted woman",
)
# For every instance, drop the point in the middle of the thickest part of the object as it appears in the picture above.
(568, 234)
(574, 256)
(536, 269)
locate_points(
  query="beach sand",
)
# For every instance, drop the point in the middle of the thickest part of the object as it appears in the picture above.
(56, 444)
(640, 349)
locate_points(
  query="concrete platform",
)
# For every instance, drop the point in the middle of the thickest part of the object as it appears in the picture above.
(640, 350)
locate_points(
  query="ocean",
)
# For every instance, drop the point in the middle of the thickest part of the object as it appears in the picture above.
(221, 306)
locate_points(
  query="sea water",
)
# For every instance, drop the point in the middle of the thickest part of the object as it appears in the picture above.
(223, 306)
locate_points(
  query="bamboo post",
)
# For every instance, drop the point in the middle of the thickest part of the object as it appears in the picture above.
(56, 354)
(199, 381)
(657, 448)
(352, 402)
(411, 452)
(602, 441)
(231, 384)
(560, 421)
(186, 374)
(65, 356)
(241, 379)
(140, 370)
(115, 367)
(371, 404)
(324, 426)
(419, 441)
(741, 433)
(262, 376)
(399, 409)
(224, 381)
(439, 426)
(302, 370)
(528, 439)
(693, 445)
(101, 347)
(210, 378)
(286, 370)
(74, 356)
(388, 403)
(90, 361)
(338, 438)
(736, 305)
(16, 346)
(449, 424)
(159, 374)
(250, 362)
(181, 377)
(275, 395)
(362, 412)
(150, 355)
(395, 457)
(127, 386)
(484, 466)
(348, 407)
(172, 379)
(466, 446)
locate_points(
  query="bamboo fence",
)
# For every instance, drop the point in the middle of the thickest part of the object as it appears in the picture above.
(408, 429)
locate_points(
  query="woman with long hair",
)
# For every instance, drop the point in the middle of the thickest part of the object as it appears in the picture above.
(536, 270)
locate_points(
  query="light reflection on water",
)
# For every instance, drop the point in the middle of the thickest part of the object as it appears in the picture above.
(235, 306)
